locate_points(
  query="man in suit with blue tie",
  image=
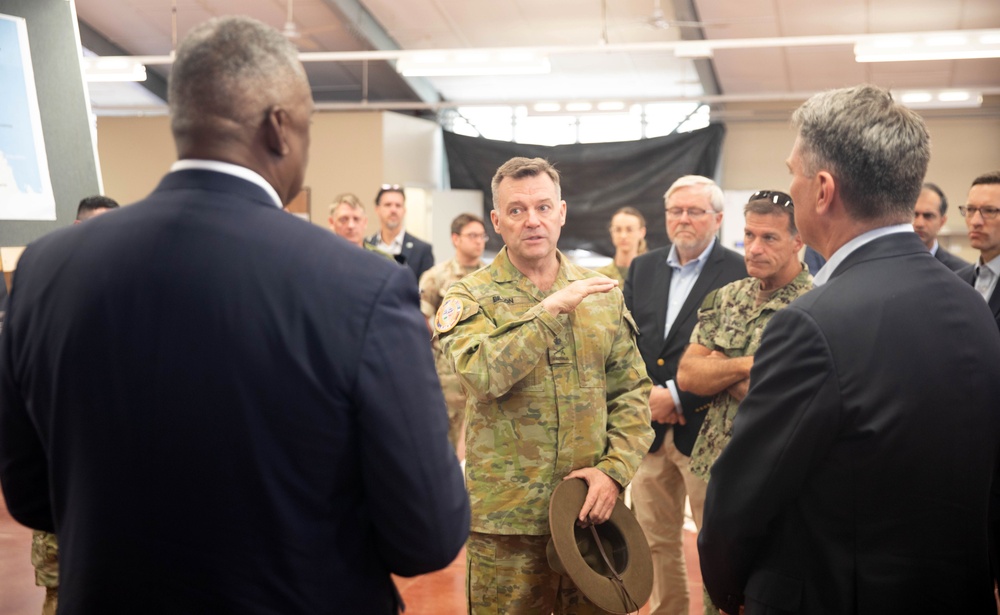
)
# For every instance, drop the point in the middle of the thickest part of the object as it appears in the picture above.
(392, 238)
(218, 407)
(663, 291)
(858, 476)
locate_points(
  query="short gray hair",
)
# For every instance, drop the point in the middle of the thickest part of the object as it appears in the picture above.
(876, 149)
(712, 190)
(231, 69)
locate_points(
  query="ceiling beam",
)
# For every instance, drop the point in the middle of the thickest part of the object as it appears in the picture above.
(685, 10)
(363, 25)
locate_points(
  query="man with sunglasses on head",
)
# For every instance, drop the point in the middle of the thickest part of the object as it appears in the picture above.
(731, 322)
(663, 291)
(858, 476)
(392, 238)
(982, 217)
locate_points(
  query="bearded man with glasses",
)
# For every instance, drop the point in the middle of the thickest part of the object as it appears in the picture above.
(663, 291)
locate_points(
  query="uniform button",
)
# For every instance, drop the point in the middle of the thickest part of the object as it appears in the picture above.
(659, 362)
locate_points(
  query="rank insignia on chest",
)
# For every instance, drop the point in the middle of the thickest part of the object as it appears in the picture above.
(448, 315)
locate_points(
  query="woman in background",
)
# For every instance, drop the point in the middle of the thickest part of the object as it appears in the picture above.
(628, 233)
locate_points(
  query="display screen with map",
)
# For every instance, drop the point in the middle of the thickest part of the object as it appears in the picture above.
(25, 186)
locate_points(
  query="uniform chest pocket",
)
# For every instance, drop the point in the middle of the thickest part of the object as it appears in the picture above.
(590, 351)
(732, 335)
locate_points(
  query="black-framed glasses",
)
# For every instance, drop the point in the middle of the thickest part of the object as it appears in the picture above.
(987, 212)
(778, 198)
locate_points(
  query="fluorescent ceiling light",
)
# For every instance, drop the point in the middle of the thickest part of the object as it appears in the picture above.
(472, 63)
(940, 99)
(611, 105)
(578, 107)
(116, 68)
(936, 46)
(547, 107)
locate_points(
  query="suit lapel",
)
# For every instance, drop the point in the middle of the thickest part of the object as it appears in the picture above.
(660, 294)
(706, 278)
(995, 302)
(407, 246)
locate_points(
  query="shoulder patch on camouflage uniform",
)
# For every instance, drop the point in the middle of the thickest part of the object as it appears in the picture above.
(448, 315)
(709, 300)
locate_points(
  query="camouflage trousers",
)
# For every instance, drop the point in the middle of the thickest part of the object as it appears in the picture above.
(45, 559)
(510, 575)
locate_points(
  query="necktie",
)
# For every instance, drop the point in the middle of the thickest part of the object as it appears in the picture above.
(984, 276)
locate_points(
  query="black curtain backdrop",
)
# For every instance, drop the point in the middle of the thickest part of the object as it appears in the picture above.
(596, 178)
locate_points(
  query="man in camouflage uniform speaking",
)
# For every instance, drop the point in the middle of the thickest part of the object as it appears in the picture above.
(468, 235)
(732, 319)
(547, 350)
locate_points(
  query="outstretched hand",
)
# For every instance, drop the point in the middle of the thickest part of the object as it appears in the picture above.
(565, 300)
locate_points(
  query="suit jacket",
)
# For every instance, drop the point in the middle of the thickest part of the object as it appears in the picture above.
(416, 254)
(858, 476)
(950, 260)
(969, 275)
(220, 408)
(647, 291)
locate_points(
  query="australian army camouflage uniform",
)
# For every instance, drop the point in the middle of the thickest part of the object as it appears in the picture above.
(731, 322)
(552, 393)
(433, 285)
(45, 559)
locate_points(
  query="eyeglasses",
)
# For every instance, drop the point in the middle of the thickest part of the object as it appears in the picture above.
(988, 213)
(778, 198)
(476, 236)
(677, 212)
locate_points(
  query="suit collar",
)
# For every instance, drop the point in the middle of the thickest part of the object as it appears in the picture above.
(213, 181)
(835, 266)
(883, 246)
(228, 168)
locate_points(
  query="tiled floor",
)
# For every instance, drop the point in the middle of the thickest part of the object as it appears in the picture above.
(439, 593)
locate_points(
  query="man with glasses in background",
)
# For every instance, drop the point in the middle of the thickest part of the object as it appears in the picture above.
(980, 213)
(392, 238)
(731, 322)
(468, 235)
(663, 291)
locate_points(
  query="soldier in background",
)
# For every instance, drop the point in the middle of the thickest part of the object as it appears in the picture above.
(731, 322)
(548, 351)
(468, 235)
(628, 234)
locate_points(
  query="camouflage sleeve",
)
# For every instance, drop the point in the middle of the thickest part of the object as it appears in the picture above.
(629, 432)
(707, 326)
(430, 293)
(491, 359)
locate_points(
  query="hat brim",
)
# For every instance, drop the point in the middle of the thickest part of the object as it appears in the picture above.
(637, 575)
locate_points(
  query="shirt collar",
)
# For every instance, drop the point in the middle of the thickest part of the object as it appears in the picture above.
(934, 248)
(823, 275)
(993, 265)
(218, 166)
(674, 261)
